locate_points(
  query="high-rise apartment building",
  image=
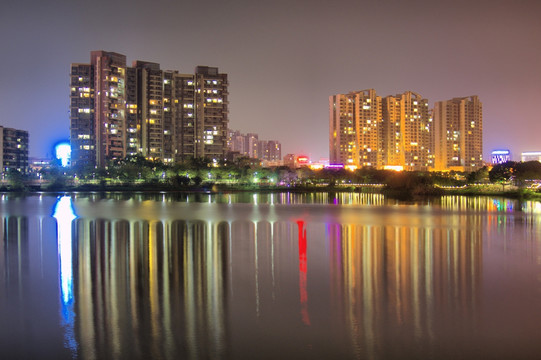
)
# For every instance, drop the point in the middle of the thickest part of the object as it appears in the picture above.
(117, 110)
(342, 137)
(82, 115)
(13, 150)
(407, 131)
(458, 134)
(368, 130)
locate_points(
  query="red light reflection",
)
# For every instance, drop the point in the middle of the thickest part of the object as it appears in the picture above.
(302, 272)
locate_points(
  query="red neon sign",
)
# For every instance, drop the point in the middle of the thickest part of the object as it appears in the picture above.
(302, 159)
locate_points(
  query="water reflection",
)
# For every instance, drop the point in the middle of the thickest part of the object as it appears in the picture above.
(286, 198)
(151, 289)
(302, 272)
(404, 286)
(64, 215)
(453, 278)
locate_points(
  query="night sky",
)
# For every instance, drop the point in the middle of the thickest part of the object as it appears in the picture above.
(284, 59)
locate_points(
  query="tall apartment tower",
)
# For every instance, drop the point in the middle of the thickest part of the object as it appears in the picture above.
(82, 115)
(109, 105)
(162, 115)
(368, 121)
(342, 132)
(98, 109)
(407, 131)
(212, 109)
(458, 134)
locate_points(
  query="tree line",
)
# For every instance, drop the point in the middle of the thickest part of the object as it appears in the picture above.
(139, 172)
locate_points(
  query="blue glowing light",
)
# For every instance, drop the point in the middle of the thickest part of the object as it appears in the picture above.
(63, 153)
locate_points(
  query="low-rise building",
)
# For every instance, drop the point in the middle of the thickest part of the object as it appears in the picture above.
(531, 156)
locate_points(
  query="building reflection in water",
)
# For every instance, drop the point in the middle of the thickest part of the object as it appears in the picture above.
(166, 288)
(151, 288)
(405, 285)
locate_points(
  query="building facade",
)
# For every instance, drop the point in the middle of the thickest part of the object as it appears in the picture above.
(368, 130)
(118, 110)
(13, 150)
(342, 131)
(458, 134)
(407, 137)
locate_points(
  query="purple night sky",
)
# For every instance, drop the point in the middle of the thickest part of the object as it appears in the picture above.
(284, 59)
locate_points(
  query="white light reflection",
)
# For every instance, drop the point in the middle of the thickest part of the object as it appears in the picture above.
(64, 215)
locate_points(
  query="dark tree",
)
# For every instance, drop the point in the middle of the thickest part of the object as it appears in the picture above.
(502, 173)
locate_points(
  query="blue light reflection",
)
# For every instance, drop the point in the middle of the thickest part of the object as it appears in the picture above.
(64, 215)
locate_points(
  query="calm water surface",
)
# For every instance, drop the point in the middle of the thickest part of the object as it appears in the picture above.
(267, 276)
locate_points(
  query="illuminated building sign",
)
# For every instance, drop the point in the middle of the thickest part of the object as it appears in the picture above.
(501, 156)
(302, 159)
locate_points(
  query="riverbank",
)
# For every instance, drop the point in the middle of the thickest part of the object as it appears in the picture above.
(404, 193)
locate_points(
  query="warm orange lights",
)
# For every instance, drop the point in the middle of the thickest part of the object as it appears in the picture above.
(394, 167)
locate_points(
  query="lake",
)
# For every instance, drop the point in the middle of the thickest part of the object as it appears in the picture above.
(267, 276)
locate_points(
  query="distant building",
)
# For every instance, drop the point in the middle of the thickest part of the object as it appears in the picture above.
(249, 145)
(531, 156)
(235, 142)
(295, 161)
(458, 134)
(290, 160)
(500, 156)
(37, 164)
(117, 110)
(270, 150)
(13, 150)
(252, 145)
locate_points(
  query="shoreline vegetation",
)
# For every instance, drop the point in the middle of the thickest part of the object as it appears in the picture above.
(519, 180)
(399, 193)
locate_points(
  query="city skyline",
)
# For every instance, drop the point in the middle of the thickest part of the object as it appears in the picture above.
(285, 59)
